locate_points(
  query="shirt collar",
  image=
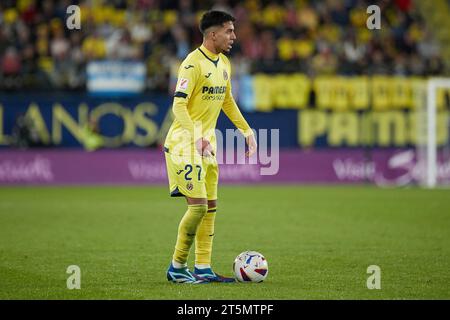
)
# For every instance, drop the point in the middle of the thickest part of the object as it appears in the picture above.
(212, 56)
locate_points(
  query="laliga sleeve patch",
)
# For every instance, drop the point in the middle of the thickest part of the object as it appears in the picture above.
(183, 84)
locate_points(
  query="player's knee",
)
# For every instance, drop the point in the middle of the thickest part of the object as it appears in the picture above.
(199, 209)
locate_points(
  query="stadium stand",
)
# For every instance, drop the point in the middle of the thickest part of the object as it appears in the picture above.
(330, 37)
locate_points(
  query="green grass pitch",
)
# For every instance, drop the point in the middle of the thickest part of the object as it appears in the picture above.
(318, 241)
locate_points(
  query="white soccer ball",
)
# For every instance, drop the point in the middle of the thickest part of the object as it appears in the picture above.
(250, 266)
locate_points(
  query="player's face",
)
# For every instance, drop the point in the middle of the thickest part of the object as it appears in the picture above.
(224, 37)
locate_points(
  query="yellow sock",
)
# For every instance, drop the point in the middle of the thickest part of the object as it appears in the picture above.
(187, 230)
(204, 238)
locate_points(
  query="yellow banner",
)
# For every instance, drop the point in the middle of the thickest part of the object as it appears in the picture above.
(338, 93)
(373, 128)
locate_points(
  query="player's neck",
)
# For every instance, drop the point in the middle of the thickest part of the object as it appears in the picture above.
(210, 48)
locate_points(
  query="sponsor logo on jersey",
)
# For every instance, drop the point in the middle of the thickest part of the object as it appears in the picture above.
(214, 90)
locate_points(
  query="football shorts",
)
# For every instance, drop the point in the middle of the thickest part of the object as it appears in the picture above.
(193, 177)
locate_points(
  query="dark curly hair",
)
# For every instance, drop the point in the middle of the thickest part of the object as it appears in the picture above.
(214, 18)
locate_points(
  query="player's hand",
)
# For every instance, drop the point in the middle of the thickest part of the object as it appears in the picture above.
(204, 148)
(252, 145)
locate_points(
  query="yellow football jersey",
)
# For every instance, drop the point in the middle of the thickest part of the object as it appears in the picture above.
(203, 89)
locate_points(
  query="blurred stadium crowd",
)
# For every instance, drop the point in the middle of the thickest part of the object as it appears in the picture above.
(37, 51)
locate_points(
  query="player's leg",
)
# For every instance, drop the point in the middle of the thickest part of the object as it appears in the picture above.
(187, 229)
(205, 237)
(184, 180)
(205, 234)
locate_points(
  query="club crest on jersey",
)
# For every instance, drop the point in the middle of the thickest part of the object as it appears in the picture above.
(189, 186)
(225, 75)
(182, 84)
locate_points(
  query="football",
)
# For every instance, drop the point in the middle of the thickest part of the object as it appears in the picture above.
(250, 266)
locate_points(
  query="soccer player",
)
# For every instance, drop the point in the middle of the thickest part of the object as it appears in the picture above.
(203, 90)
